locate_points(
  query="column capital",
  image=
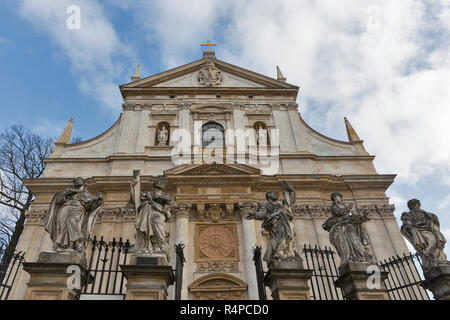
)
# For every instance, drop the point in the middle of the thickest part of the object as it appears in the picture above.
(246, 208)
(182, 209)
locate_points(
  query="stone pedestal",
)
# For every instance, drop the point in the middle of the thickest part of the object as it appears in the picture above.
(438, 281)
(356, 284)
(288, 280)
(50, 276)
(148, 277)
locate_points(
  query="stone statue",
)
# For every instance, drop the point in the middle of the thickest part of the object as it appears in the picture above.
(262, 136)
(163, 136)
(277, 220)
(209, 75)
(421, 228)
(153, 210)
(71, 217)
(347, 232)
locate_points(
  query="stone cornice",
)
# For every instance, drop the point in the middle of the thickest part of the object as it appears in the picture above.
(323, 211)
(249, 107)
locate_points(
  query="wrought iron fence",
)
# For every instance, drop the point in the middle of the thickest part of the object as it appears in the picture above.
(11, 274)
(404, 281)
(325, 272)
(103, 275)
(180, 260)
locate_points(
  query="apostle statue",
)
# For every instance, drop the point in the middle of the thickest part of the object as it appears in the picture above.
(421, 228)
(71, 217)
(163, 136)
(347, 232)
(153, 210)
(277, 220)
(262, 136)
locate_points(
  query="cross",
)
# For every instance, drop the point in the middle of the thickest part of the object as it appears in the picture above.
(209, 45)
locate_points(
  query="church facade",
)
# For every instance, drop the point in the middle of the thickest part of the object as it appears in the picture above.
(221, 137)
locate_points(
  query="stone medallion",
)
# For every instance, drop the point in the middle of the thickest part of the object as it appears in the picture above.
(216, 242)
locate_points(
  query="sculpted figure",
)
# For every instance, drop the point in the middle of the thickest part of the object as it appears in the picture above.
(209, 75)
(163, 136)
(71, 217)
(421, 228)
(262, 136)
(277, 220)
(347, 233)
(153, 210)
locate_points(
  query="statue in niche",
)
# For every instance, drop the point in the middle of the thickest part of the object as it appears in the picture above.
(153, 210)
(163, 136)
(71, 217)
(277, 219)
(209, 75)
(347, 232)
(262, 135)
(421, 228)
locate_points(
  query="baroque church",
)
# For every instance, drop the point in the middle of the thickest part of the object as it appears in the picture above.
(220, 137)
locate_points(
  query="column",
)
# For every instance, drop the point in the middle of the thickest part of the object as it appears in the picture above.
(182, 213)
(438, 280)
(55, 276)
(356, 282)
(288, 280)
(249, 241)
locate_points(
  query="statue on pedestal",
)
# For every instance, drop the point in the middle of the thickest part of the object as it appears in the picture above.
(262, 136)
(277, 220)
(163, 136)
(421, 228)
(347, 232)
(153, 210)
(71, 217)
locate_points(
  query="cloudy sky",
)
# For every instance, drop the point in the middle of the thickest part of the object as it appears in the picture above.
(383, 64)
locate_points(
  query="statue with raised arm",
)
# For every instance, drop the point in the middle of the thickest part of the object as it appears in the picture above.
(71, 217)
(153, 210)
(421, 228)
(277, 220)
(347, 232)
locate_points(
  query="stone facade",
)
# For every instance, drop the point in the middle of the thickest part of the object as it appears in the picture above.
(218, 240)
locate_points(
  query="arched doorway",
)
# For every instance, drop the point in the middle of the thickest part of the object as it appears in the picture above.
(218, 286)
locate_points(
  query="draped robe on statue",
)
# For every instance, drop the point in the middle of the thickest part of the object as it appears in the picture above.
(71, 217)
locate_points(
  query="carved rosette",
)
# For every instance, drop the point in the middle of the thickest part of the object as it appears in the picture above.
(209, 75)
(216, 242)
(182, 209)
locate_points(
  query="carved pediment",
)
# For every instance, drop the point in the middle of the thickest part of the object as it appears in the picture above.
(213, 170)
(207, 73)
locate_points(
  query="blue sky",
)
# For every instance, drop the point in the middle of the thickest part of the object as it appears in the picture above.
(383, 64)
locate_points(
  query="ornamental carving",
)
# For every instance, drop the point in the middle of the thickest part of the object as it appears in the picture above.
(215, 213)
(216, 242)
(218, 266)
(182, 209)
(374, 211)
(209, 75)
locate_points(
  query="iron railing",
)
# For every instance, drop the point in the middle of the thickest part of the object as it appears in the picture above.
(12, 271)
(179, 266)
(103, 275)
(404, 281)
(325, 273)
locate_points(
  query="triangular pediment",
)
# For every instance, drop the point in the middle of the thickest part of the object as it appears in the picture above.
(214, 169)
(223, 75)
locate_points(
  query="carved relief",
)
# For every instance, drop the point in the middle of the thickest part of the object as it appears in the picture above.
(218, 287)
(218, 266)
(216, 242)
(209, 75)
(215, 213)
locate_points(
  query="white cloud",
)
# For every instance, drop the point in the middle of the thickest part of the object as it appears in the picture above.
(92, 51)
(445, 205)
(390, 79)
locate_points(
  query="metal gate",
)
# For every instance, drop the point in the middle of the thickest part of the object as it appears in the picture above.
(12, 271)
